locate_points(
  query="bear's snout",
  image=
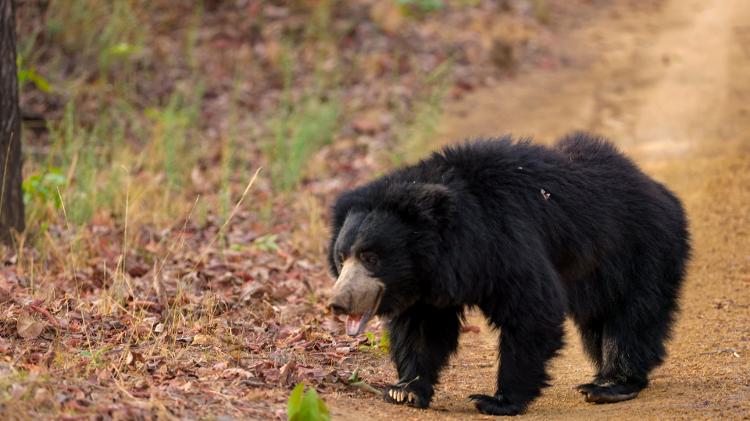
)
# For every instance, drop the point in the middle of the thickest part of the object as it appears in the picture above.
(356, 292)
(339, 305)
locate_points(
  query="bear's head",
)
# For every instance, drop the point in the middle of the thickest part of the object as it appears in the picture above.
(385, 237)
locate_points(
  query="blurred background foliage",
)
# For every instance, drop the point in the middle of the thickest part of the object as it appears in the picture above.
(150, 104)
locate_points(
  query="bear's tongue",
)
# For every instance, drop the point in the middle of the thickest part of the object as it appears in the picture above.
(355, 324)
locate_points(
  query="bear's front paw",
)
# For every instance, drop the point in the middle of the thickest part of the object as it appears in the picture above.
(495, 405)
(402, 394)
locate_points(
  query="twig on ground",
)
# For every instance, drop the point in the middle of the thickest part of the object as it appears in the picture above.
(44, 312)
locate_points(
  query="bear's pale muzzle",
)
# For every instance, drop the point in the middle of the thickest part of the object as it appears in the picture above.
(356, 294)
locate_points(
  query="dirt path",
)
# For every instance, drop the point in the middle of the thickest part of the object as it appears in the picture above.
(670, 83)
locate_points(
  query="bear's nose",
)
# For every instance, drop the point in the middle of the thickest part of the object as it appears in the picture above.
(338, 306)
(337, 309)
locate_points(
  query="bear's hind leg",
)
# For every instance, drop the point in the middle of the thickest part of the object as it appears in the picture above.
(422, 339)
(591, 338)
(631, 348)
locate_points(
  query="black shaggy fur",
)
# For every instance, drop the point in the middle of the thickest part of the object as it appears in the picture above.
(527, 234)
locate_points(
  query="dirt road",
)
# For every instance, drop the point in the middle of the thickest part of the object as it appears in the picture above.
(669, 82)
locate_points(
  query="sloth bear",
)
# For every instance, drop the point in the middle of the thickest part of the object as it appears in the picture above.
(527, 234)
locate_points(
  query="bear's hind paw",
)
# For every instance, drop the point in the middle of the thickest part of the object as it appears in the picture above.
(586, 388)
(495, 405)
(608, 393)
(403, 395)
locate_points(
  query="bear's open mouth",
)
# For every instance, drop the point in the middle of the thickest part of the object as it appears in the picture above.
(355, 324)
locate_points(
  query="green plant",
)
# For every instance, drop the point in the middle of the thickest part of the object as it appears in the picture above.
(171, 132)
(421, 7)
(267, 242)
(95, 357)
(319, 24)
(42, 196)
(108, 33)
(382, 344)
(231, 154)
(415, 135)
(118, 52)
(299, 129)
(86, 155)
(27, 74)
(43, 187)
(307, 407)
(98, 158)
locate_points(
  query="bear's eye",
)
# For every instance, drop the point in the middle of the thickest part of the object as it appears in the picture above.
(369, 258)
(341, 259)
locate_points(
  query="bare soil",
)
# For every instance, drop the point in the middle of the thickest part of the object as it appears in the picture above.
(669, 82)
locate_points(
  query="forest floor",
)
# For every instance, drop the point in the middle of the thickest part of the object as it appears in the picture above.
(670, 85)
(159, 278)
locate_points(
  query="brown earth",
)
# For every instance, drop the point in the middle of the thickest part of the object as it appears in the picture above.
(669, 82)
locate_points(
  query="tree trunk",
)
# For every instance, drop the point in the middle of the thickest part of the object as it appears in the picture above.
(11, 197)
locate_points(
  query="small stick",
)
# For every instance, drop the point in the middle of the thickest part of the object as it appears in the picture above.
(367, 387)
(44, 312)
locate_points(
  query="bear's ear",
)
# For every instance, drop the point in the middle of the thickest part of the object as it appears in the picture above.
(429, 203)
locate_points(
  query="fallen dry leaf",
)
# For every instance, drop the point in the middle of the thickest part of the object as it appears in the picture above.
(237, 372)
(28, 328)
(286, 374)
(200, 339)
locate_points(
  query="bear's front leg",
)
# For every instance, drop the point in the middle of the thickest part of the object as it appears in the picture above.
(422, 339)
(528, 341)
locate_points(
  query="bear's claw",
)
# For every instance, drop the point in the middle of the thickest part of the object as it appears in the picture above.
(403, 395)
(495, 405)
